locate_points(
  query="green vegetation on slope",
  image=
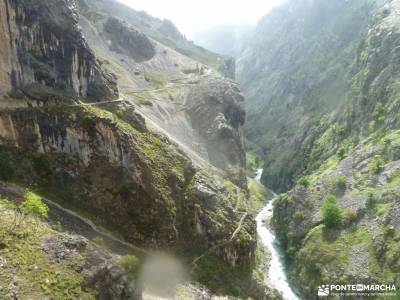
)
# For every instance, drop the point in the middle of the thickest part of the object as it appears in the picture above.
(294, 75)
(27, 269)
(353, 154)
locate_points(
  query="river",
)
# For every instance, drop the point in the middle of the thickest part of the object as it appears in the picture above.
(276, 274)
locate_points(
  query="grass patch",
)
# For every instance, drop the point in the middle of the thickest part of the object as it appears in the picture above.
(382, 209)
(394, 182)
(38, 277)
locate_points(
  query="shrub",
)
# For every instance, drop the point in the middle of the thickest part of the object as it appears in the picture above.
(341, 182)
(299, 216)
(331, 212)
(89, 123)
(130, 264)
(120, 114)
(340, 130)
(34, 205)
(341, 154)
(377, 165)
(229, 186)
(57, 226)
(304, 181)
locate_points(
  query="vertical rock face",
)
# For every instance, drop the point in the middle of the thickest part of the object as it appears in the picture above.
(45, 51)
(228, 68)
(216, 108)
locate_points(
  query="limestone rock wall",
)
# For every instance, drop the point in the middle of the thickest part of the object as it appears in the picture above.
(43, 52)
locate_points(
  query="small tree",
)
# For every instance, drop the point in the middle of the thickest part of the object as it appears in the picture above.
(331, 213)
(304, 181)
(377, 164)
(341, 154)
(379, 113)
(29, 204)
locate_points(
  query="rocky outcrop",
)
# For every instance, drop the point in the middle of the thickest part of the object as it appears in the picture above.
(216, 108)
(127, 40)
(228, 68)
(45, 53)
(102, 270)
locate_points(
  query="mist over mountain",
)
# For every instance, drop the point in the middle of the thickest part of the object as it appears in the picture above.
(227, 40)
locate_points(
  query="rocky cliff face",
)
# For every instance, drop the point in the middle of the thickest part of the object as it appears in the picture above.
(162, 166)
(44, 53)
(152, 192)
(228, 68)
(127, 40)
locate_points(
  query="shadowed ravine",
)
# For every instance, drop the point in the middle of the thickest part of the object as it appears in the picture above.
(276, 274)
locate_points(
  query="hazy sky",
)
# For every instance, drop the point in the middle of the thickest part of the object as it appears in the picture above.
(195, 15)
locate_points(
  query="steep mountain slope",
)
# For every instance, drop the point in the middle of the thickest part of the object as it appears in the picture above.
(162, 166)
(293, 71)
(179, 97)
(341, 132)
(163, 31)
